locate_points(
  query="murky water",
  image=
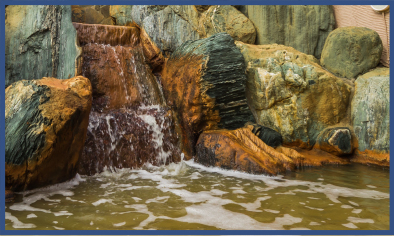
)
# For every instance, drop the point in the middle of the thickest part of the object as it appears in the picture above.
(189, 196)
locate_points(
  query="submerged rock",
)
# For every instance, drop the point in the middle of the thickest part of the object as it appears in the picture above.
(40, 41)
(241, 150)
(302, 27)
(370, 114)
(45, 128)
(289, 92)
(204, 82)
(337, 141)
(351, 51)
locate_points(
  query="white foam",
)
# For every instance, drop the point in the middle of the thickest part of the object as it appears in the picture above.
(137, 199)
(314, 223)
(101, 201)
(58, 228)
(360, 220)
(63, 213)
(353, 203)
(371, 186)
(350, 225)
(346, 206)
(17, 224)
(120, 224)
(31, 216)
(314, 208)
(357, 211)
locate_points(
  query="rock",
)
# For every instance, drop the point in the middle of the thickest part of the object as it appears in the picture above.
(351, 51)
(289, 92)
(225, 18)
(337, 141)
(287, 25)
(119, 74)
(129, 138)
(9, 196)
(40, 42)
(92, 14)
(121, 14)
(267, 135)
(166, 28)
(204, 82)
(370, 115)
(45, 127)
(241, 150)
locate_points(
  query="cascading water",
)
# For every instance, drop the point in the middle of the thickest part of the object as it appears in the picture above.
(129, 124)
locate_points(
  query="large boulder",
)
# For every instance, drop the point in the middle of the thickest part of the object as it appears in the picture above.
(289, 92)
(92, 14)
(351, 51)
(370, 116)
(40, 41)
(204, 82)
(302, 27)
(241, 150)
(170, 26)
(45, 127)
(335, 140)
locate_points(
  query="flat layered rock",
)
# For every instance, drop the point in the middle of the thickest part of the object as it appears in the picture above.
(45, 125)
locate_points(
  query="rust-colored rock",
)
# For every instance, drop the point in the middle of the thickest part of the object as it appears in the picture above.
(241, 150)
(46, 124)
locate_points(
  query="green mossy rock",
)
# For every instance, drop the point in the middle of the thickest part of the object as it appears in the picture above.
(351, 51)
(40, 41)
(305, 28)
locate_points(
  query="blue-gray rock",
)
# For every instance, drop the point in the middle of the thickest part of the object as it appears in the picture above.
(40, 42)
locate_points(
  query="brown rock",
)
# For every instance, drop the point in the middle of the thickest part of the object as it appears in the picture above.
(9, 196)
(46, 124)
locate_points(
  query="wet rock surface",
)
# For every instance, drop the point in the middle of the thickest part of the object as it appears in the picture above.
(286, 25)
(370, 115)
(92, 14)
(337, 141)
(351, 51)
(40, 42)
(289, 92)
(204, 82)
(45, 126)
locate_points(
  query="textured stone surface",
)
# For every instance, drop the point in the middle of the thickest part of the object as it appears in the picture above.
(241, 150)
(370, 114)
(40, 42)
(290, 93)
(129, 138)
(303, 27)
(92, 14)
(267, 135)
(225, 18)
(121, 14)
(351, 51)
(204, 82)
(45, 125)
(337, 141)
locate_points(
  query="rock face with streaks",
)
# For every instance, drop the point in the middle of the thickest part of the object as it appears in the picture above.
(303, 27)
(370, 116)
(92, 14)
(45, 126)
(351, 51)
(40, 41)
(290, 93)
(204, 82)
(337, 141)
(170, 26)
(241, 150)
(129, 124)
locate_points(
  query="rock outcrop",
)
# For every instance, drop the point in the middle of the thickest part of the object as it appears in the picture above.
(241, 150)
(302, 27)
(204, 82)
(351, 51)
(92, 14)
(337, 141)
(121, 14)
(45, 127)
(290, 93)
(40, 41)
(370, 113)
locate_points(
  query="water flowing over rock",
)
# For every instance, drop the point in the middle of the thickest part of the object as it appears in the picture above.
(305, 28)
(337, 141)
(92, 14)
(40, 42)
(204, 82)
(351, 51)
(45, 125)
(241, 150)
(370, 112)
(290, 93)
(129, 124)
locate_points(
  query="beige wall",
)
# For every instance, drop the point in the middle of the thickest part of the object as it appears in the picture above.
(365, 16)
